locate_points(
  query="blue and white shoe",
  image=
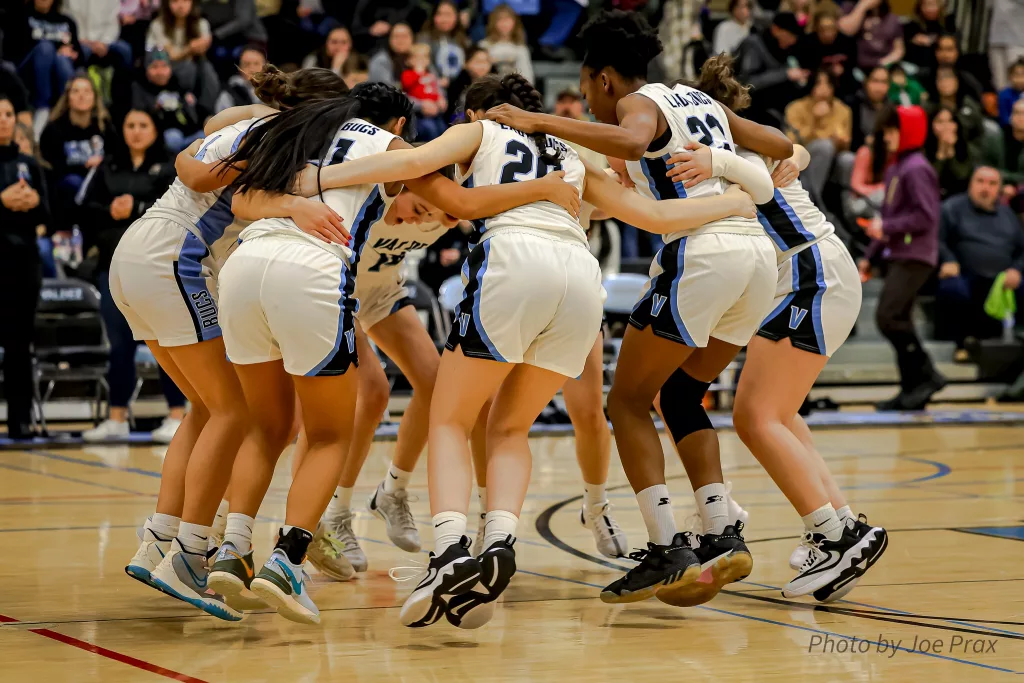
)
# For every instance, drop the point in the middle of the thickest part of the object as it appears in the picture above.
(150, 554)
(283, 586)
(183, 575)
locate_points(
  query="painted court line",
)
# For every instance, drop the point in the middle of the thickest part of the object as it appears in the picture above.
(104, 652)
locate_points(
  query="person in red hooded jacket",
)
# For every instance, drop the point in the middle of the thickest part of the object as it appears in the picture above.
(907, 236)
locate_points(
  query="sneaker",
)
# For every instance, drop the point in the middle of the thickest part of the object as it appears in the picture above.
(341, 530)
(799, 554)
(184, 575)
(724, 558)
(736, 513)
(860, 528)
(393, 508)
(282, 585)
(478, 540)
(609, 537)
(108, 429)
(327, 554)
(661, 567)
(475, 608)
(165, 432)
(831, 565)
(231, 574)
(150, 554)
(452, 573)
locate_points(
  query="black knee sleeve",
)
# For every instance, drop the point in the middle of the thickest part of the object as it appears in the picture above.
(682, 405)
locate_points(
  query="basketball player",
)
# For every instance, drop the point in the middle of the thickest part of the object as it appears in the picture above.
(706, 297)
(533, 291)
(163, 278)
(288, 318)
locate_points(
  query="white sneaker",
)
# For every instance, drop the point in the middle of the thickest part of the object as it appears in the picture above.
(736, 513)
(165, 432)
(149, 555)
(342, 533)
(108, 429)
(393, 508)
(478, 540)
(832, 565)
(799, 554)
(609, 537)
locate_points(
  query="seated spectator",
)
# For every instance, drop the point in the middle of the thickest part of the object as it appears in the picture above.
(478, 64)
(868, 103)
(23, 207)
(506, 43)
(979, 239)
(24, 138)
(46, 49)
(947, 149)
(373, 21)
(99, 32)
(73, 143)
(355, 70)
(133, 175)
(447, 40)
(947, 54)
(421, 84)
(803, 10)
(950, 93)
(734, 30)
(185, 36)
(388, 64)
(923, 30)
(14, 88)
(904, 89)
(173, 108)
(823, 124)
(333, 53)
(878, 31)
(769, 63)
(239, 90)
(1005, 38)
(1009, 95)
(234, 24)
(1013, 136)
(827, 48)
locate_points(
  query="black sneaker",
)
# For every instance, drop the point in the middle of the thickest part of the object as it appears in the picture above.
(475, 608)
(831, 565)
(724, 558)
(454, 572)
(878, 542)
(661, 567)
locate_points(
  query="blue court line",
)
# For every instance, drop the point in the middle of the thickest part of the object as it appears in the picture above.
(17, 468)
(807, 628)
(92, 463)
(1014, 532)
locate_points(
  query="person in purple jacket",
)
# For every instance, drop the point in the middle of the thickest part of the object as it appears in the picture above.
(907, 235)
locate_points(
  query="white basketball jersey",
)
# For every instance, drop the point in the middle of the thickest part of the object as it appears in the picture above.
(692, 116)
(207, 214)
(387, 246)
(791, 219)
(360, 206)
(508, 156)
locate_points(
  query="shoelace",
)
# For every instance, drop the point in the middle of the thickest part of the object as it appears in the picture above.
(418, 569)
(344, 534)
(605, 511)
(813, 553)
(404, 514)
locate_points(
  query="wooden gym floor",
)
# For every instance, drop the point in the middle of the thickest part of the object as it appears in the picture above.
(951, 583)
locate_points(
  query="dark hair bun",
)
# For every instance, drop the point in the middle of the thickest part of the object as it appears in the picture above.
(272, 86)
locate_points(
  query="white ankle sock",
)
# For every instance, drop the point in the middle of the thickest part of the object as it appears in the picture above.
(713, 505)
(341, 501)
(481, 493)
(449, 528)
(656, 508)
(845, 513)
(499, 526)
(194, 538)
(594, 495)
(239, 531)
(825, 521)
(162, 527)
(396, 479)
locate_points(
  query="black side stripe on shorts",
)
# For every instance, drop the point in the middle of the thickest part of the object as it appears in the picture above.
(184, 297)
(465, 332)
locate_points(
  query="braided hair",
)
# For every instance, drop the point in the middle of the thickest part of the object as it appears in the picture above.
(281, 90)
(280, 148)
(492, 90)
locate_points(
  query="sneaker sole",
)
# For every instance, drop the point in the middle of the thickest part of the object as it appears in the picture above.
(428, 604)
(495, 577)
(729, 569)
(687, 577)
(407, 547)
(840, 588)
(234, 591)
(286, 605)
(859, 562)
(323, 565)
(211, 609)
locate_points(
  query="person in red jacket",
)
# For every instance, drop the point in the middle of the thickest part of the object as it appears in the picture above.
(421, 84)
(907, 235)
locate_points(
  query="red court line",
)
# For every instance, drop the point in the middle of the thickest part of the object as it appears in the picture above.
(109, 654)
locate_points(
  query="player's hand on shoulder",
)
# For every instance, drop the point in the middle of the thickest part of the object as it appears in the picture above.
(744, 204)
(690, 167)
(785, 173)
(513, 117)
(321, 221)
(562, 193)
(306, 184)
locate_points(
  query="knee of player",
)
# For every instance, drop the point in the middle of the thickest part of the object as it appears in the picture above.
(682, 405)
(501, 430)
(374, 394)
(589, 418)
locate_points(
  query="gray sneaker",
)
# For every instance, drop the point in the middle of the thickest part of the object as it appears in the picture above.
(393, 508)
(326, 553)
(183, 575)
(341, 529)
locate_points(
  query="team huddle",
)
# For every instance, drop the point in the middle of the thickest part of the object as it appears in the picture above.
(264, 273)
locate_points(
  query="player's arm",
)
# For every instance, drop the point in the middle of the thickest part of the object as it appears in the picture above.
(199, 175)
(311, 216)
(457, 145)
(788, 170)
(638, 125)
(700, 163)
(490, 200)
(662, 217)
(233, 115)
(761, 139)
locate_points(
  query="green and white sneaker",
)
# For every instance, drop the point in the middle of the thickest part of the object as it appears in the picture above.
(184, 575)
(231, 574)
(341, 528)
(282, 585)
(327, 554)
